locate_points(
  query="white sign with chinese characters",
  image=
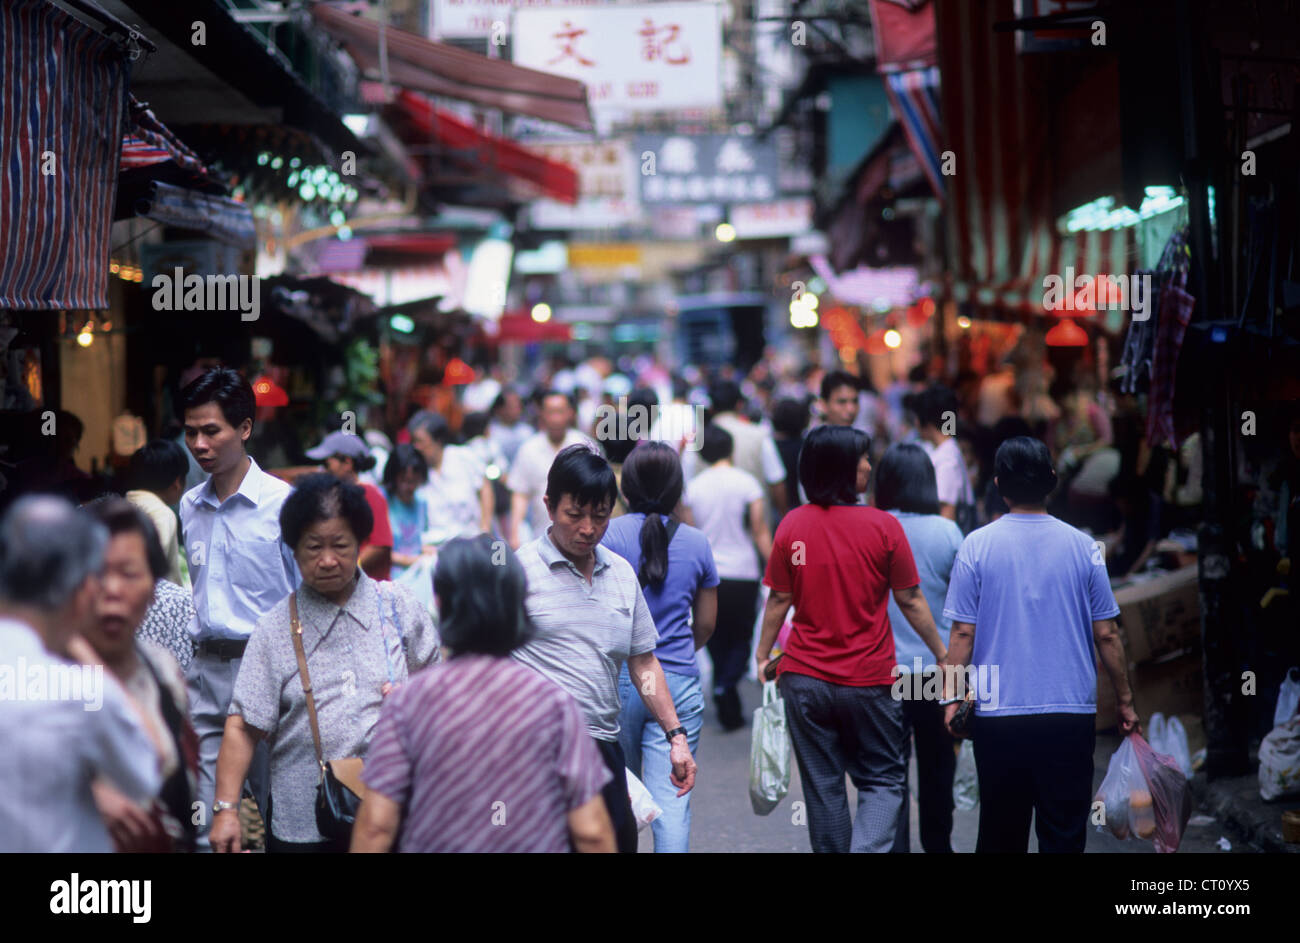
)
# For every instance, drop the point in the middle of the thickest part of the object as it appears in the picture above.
(650, 57)
(607, 188)
(767, 220)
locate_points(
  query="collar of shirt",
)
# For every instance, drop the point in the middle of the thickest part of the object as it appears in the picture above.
(552, 556)
(322, 614)
(250, 488)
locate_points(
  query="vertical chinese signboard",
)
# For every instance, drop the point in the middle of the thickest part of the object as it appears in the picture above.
(650, 57)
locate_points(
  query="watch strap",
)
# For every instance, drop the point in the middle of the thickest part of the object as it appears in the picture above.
(675, 731)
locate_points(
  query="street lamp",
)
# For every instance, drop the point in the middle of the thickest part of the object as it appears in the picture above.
(541, 312)
(725, 232)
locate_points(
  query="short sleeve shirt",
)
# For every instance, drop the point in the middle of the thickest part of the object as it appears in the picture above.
(840, 563)
(167, 622)
(531, 465)
(585, 632)
(483, 755)
(1032, 586)
(690, 569)
(350, 654)
(720, 498)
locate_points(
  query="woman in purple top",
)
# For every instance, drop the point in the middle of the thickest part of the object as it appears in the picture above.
(481, 753)
(674, 564)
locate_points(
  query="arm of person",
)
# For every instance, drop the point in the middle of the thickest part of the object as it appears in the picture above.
(916, 610)
(237, 744)
(1110, 648)
(774, 613)
(590, 828)
(704, 616)
(684, 513)
(131, 827)
(486, 504)
(375, 831)
(961, 645)
(404, 559)
(376, 561)
(948, 510)
(653, 687)
(519, 502)
(759, 529)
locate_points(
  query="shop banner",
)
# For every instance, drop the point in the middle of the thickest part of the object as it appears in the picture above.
(706, 168)
(650, 57)
(607, 187)
(769, 220)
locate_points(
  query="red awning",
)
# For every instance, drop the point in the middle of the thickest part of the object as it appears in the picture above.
(487, 152)
(522, 329)
(441, 69)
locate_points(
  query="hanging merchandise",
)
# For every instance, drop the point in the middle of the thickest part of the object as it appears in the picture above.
(1175, 313)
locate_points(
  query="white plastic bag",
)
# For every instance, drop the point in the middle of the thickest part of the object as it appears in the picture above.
(1169, 738)
(1145, 795)
(769, 753)
(1288, 698)
(965, 782)
(418, 578)
(1279, 761)
(644, 808)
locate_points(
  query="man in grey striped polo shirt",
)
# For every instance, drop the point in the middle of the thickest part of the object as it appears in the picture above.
(591, 616)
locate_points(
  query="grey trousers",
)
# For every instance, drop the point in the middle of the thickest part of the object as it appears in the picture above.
(211, 681)
(837, 729)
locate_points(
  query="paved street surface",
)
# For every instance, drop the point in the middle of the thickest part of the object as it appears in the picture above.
(724, 822)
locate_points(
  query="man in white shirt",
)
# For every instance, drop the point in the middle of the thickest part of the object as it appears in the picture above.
(458, 494)
(62, 724)
(239, 564)
(532, 463)
(754, 449)
(936, 415)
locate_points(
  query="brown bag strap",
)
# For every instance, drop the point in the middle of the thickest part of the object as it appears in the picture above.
(304, 677)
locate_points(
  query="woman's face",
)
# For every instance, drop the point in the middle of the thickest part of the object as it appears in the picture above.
(426, 446)
(125, 595)
(340, 466)
(327, 555)
(864, 474)
(408, 479)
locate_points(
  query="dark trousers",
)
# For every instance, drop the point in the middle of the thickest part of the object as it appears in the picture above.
(620, 807)
(1039, 765)
(734, 632)
(837, 729)
(936, 763)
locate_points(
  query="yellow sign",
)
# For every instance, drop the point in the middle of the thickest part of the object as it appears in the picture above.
(604, 254)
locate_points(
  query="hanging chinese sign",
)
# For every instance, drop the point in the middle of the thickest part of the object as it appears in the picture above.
(650, 57)
(705, 168)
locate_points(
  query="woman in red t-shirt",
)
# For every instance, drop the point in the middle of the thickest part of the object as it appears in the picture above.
(345, 455)
(836, 561)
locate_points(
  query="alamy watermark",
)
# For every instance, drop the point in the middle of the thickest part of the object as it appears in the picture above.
(674, 424)
(1098, 293)
(918, 684)
(181, 292)
(42, 681)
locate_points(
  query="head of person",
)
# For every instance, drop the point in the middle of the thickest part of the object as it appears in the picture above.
(51, 556)
(324, 521)
(430, 434)
(833, 465)
(717, 444)
(480, 587)
(1023, 472)
(580, 494)
(789, 417)
(508, 407)
(217, 408)
(474, 425)
(159, 466)
(905, 481)
(556, 413)
(725, 397)
(133, 564)
(653, 485)
(840, 398)
(404, 472)
(936, 411)
(343, 455)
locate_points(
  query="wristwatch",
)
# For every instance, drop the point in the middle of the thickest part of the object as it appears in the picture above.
(220, 806)
(675, 731)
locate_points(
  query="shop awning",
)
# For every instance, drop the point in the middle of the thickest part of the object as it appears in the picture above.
(441, 69)
(225, 220)
(485, 152)
(62, 97)
(1007, 121)
(148, 142)
(520, 328)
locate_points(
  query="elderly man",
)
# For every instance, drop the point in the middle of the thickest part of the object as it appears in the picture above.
(591, 617)
(79, 724)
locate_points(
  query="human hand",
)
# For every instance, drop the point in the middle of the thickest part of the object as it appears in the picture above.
(225, 835)
(683, 774)
(1129, 722)
(132, 828)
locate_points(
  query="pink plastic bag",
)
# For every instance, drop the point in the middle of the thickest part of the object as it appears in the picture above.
(1145, 795)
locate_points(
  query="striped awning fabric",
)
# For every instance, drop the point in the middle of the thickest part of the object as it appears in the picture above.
(1003, 238)
(914, 97)
(225, 220)
(148, 141)
(62, 101)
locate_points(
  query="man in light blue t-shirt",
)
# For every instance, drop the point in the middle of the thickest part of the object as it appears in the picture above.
(1028, 598)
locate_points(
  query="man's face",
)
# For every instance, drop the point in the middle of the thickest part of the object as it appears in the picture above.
(215, 444)
(427, 447)
(577, 528)
(557, 416)
(842, 406)
(511, 409)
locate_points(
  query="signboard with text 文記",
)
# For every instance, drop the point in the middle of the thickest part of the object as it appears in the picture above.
(473, 19)
(646, 57)
(705, 168)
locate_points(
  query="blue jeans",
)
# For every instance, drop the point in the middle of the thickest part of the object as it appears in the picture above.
(646, 750)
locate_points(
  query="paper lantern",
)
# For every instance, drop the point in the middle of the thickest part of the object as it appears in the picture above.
(267, 392)
(1066, 334)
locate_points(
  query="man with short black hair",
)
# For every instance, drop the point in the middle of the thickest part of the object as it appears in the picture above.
(532, 463)
(591, 617)
(1028, 598)
(238, 563)
(839, 398)
(936, 416)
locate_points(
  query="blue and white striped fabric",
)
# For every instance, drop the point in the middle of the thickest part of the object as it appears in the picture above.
(915, 98)
(223, 219)
(62, 101)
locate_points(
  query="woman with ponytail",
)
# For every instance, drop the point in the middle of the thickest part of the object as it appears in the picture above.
(674, 564)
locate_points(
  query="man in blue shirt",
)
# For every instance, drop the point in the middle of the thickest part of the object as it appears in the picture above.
(239, 565)
(1028, 598)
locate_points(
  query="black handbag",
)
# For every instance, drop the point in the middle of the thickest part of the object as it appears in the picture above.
(338, 795)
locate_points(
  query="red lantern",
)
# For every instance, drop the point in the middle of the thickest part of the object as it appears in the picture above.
(1066, 334)
(266, 392)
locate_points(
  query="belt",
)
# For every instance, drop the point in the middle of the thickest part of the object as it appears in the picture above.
(223, 647)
